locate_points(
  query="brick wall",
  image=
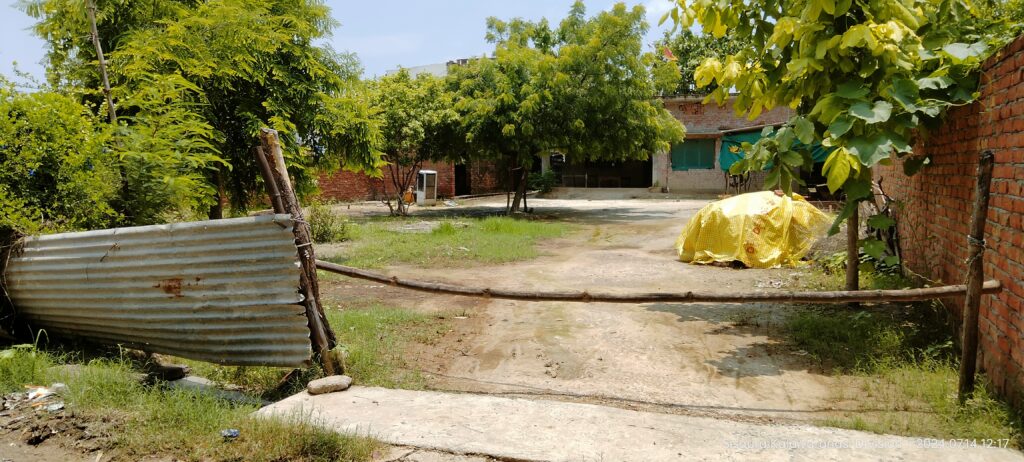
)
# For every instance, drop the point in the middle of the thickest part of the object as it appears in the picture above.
(712, 118)
(708, 121)
(937, 207)
(349, 186)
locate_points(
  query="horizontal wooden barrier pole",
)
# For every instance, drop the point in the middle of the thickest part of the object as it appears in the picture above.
(902, 295)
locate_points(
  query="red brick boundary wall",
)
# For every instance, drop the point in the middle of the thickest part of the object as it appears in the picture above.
(936, 211)
(348, 186)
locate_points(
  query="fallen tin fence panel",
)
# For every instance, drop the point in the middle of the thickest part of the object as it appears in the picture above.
(223, 291)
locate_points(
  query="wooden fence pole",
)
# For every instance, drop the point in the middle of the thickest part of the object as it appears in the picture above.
(321, 335)
(268, 180)
(975, 275)
(853, 249)
(870, 296)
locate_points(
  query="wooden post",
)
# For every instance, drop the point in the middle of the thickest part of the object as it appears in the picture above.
(975, 275)
(268, 180)
(853, 250)
(321, 335)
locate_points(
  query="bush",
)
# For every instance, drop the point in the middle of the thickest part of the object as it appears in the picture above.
(542, 182)
(324, 225)
(56, 171)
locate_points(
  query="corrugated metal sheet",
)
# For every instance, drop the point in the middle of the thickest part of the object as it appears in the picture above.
(224, 291)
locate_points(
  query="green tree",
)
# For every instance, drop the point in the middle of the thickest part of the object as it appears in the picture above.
(689, 50)
(863, 77)
(247, 64)
(66, 169)
(417, 119)
(56, 171)
(585, 89)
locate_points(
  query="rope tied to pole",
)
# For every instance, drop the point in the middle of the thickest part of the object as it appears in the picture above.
(980, 244)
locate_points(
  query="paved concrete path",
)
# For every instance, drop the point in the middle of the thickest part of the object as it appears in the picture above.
(521, 429)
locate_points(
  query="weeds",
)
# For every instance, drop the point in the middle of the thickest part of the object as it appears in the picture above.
(376, 339)
(488, 240)
(905, 366)
(152, 420)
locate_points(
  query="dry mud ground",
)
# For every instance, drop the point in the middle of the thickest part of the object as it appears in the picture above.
(724, 360)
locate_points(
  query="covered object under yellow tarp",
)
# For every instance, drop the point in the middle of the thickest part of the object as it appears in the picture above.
(761, 229)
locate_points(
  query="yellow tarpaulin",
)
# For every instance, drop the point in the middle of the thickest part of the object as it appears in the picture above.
(761, 229)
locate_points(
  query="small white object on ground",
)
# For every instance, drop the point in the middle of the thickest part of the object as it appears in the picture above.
(329, 384)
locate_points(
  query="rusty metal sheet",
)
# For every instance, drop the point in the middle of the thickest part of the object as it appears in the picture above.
(223, 291)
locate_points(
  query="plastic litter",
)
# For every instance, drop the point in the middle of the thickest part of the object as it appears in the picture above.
(761, 230)
(230, 433)
(36, 393)
(451, 203)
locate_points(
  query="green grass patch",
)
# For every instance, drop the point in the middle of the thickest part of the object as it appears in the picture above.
(152, 420)
(450, 243)
(376, 339)
(905, 368)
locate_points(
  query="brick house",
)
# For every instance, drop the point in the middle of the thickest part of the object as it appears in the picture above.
(936, 209)
(696, 164)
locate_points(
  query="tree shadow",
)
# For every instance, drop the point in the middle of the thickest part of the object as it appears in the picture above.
(761, 348)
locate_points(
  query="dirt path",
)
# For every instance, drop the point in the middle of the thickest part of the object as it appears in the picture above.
(696, 359)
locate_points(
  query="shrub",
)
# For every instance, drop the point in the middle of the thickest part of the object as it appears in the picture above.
(56, 172)
(542, 182)
(324, 225)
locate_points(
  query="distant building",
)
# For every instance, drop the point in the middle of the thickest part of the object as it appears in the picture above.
(437, 69)
(698, 165)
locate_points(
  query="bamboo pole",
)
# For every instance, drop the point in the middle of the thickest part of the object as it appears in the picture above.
(322, 337)
(903, 295)
(975, 274)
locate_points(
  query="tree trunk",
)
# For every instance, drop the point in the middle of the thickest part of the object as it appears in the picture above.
(217, 209)
(852, 250)
(975, 276)
(520, 186)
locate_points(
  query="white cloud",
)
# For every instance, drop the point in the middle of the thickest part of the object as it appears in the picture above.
(656, 9)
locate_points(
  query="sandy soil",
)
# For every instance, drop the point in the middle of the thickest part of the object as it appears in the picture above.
(721, 360)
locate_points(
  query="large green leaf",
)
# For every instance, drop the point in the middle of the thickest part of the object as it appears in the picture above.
(906, 92)
(873, 247)
(804, 130)
(870, 150)
(840, 126)
(792, 158)
(961, 52)
(872, 114)
(852, 90)
(935, 83)
(836, 169)
(829, 6)
(881, 221)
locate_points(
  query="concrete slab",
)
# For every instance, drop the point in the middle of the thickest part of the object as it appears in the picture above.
(537, 430)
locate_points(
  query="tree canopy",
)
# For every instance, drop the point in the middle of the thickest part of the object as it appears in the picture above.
(690, 49)
(235, 65)
(584, 88)
(417, 122)
(861, 76)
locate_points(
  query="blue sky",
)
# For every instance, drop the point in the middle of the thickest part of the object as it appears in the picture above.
(384, 34)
